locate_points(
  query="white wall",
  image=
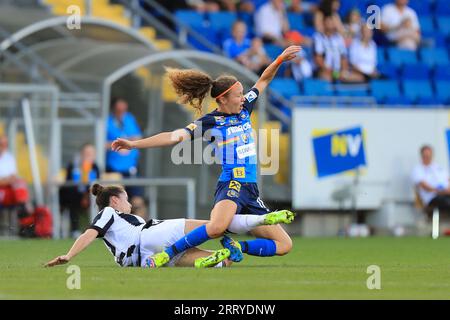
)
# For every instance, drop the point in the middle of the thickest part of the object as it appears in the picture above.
(392, 139)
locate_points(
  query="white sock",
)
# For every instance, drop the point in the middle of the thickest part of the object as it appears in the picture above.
(221, 264)
(243, 223)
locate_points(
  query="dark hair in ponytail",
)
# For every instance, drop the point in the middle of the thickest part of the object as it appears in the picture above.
(103, 194)
(192, 86)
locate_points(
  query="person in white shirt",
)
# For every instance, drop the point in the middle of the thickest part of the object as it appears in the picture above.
(330, 55)
(271, 22)
(401, 25)
(131, 240)
(363, 54)
(8, 168)
(431, 181)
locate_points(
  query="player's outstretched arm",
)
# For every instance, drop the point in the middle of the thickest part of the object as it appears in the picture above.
(79, 245)
(159, 140)
(288, 54)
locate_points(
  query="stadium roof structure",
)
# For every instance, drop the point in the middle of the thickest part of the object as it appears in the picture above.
(92, 58)
(75, 58)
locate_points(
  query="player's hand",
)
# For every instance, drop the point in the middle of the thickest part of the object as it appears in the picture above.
(121, 144)
(290, 53)
(58, 260)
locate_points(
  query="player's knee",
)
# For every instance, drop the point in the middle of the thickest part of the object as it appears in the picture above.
(284, 247)
(215, 230)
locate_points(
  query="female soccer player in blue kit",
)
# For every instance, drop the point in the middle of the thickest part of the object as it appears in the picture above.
(229, 128)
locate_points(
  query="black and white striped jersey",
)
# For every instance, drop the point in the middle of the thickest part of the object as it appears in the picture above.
(121, 234)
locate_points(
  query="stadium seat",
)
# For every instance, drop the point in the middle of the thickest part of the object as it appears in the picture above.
(316, 87)
(422, 7)
(417, 91)
(417, 71)
(383, 90)
(222, 21)
(295, 21)
(444, 25)
(434, 56)
(442, 8)
(433, 39)
(342, 92)
(442, 72)
(209, 34)
(398, 57)
(398, 102)
(443, 91)
(190, 17)
(426, 24)
(381, 55)
(347, 6)
(273, 51)
(388, 70)
(286, 87)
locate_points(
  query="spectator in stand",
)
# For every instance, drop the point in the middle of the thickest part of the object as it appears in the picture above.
(122, 124)
(330, 55)
(8, 167)
(271, 22)
(401, 25)
(255, 58)
(238, 43)
(363, 54)
(299, 68)
(431, 181)
(328, 8)
(352, 26)
(13, 189)
(76, 199)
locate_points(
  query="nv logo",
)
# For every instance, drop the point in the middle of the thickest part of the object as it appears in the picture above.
(235, 185)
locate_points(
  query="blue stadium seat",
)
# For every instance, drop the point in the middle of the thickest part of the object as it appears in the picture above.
(433, 39)
(382, 90)
(286, 87)
(222, 21)
(317, 87)
(295, 21)
(259, 3)
(190, 17)
(417, 91)
(347, 6)
(417, 71)
(388, 70)
(442, 8)
(442, 72)
(443, 91)
(422, 7)
(398, 102)
(209, 34)
(381, 55)
(273, 51)
(308, 31)
(426, 24)
(398, 57)
(352, 92)
(433, 56)
(444, 25)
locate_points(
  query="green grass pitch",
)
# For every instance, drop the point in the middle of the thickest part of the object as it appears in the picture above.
(317, 268)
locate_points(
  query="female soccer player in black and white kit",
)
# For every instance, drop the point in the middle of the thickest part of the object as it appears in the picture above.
(129, 238)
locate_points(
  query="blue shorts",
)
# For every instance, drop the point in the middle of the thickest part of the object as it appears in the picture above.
(245, 195)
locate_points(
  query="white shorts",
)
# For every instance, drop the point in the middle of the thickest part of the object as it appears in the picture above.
(160, 236)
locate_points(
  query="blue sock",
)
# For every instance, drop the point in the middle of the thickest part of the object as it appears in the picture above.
(192, 239)
(259, 247)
